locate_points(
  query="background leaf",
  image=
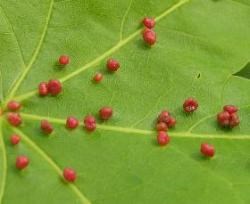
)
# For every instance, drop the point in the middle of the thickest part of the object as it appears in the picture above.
(201, 45)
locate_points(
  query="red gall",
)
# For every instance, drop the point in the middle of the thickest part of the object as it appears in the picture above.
(43, 89)
(105, 113)
(69, 174)
(14, 119)
(72, 122)
(13, 105)
(22, 162)
(149, 37)
(190, 105)
(46, 127)
(149, 22)
(63, 60)
(207, 150)
(15, 139)
(98, 77)
(113, 65)
(90, 123)
(54, 87)
(163, 138)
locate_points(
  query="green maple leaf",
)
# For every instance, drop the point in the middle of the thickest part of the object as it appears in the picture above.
(202, 50)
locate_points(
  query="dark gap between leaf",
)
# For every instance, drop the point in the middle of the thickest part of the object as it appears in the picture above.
(244, 72)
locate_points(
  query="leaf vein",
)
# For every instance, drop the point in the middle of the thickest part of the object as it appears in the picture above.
(186, 135)
(124, 19)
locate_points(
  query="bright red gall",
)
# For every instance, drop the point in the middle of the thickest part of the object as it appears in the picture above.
(149, 22)
(90, 123)
(43, 89)
(105, 113)
(164, 116)
(234, 120)
(63, 60)
(223, 118)
(46, 127)
(161, 126)
(163, 138)
(13, 105)
(98, 77)
(149, 37)
(113, 65)
(69, 174)
(230, 109)
(228, 117)
(72, 122)
(190, 105)
(22, 162)
(207, 150)
(15, 139)
(54, 87)
(14, 119)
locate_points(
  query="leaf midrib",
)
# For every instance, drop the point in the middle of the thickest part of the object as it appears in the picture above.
(187, 134)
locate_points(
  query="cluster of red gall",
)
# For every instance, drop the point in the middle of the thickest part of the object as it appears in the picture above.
(227, 118)
(23, 161)
(13, 117)
(166, 121)
(148, 34)
(112, 66)
(54, 86)
(149, 37)
(89, 122)
(69, 174)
